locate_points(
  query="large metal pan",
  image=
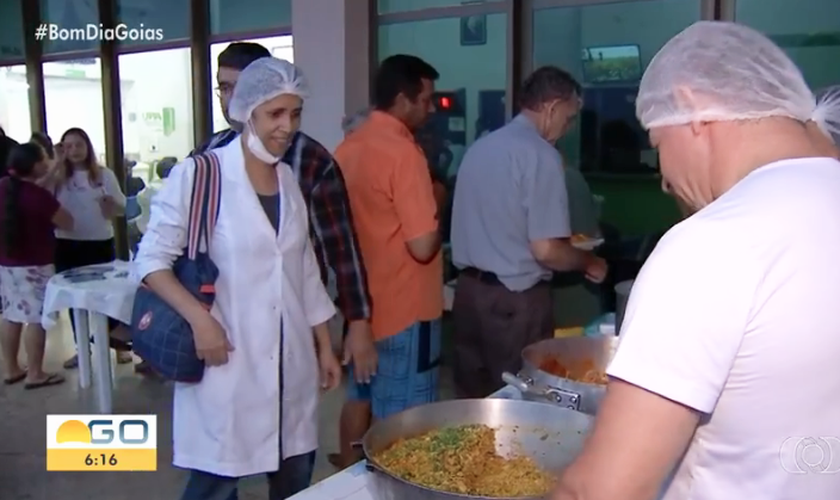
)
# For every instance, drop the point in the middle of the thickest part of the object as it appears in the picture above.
(537, 385)
(551, 435)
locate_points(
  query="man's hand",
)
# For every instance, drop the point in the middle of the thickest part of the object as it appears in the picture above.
(360, 350)
(211, 342)
(329, 368)
(596, 269)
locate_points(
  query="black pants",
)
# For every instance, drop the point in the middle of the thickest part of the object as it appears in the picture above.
(492, 326)
(70, 254)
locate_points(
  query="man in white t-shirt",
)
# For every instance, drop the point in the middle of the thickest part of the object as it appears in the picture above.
(726, 385)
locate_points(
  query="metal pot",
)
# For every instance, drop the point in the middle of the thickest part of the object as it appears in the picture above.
(622, 295)
(537, 385)
(551, 435)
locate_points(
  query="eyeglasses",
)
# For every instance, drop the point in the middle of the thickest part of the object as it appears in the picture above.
(224, 89)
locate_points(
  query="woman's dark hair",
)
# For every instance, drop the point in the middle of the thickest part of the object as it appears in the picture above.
(164, 166)
(45, 142)
(401, 74)
(6, 146)
(22, 161)
(90, 160)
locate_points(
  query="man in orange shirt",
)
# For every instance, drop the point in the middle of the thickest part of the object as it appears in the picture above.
(396, 220)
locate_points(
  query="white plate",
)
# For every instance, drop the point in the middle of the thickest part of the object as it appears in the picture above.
(590, 244)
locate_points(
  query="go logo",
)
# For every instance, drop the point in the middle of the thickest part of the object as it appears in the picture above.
(810, 455)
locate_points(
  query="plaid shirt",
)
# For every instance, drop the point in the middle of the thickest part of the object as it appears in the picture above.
(329, 210)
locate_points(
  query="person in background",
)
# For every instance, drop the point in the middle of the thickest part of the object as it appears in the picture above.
(395, 214)
(29, 215)
(6, 146)
(46, 143)
(133, 211)
(133, 184)
(355, 417)
(583, 211)
(750, 280)
(330, 221)
(265, 341)
(165, 166)
(144, 200)
(510, 232)
(92, 195)
(428, 141)
(439, 158)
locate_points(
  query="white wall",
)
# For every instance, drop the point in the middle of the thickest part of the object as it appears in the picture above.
(333, 53)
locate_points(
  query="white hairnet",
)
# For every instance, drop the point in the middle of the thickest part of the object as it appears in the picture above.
(826, 114)
(720, 71)
(263, 80)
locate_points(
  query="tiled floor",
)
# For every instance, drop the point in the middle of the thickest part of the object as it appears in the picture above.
(23, 441)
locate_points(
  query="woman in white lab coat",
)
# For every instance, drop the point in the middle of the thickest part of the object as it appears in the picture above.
(256, 408)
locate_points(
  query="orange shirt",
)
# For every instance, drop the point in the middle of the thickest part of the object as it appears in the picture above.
(392, 202)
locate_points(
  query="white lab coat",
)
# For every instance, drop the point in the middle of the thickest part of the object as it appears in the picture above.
(229, 423)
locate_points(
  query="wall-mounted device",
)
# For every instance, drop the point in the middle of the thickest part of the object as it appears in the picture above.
(450, 117)
(612, 64)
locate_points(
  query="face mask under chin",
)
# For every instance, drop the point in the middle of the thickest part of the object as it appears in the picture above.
(258, 149)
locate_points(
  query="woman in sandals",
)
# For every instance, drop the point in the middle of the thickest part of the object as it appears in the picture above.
(29, 215)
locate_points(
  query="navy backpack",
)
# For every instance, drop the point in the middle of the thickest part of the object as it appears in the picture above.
(159, 334)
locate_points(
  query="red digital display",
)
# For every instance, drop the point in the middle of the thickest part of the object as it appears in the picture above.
(445, 103)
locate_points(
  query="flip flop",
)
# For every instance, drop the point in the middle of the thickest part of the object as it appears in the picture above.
(52, 379)
(15, 379)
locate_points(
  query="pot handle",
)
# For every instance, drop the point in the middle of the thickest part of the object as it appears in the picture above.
(515, 381)
(557, 396)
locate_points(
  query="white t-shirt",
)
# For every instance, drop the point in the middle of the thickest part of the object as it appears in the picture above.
(81, 199)
(737, 315)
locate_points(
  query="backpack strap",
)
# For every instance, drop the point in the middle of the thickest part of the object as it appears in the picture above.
(204, 203)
